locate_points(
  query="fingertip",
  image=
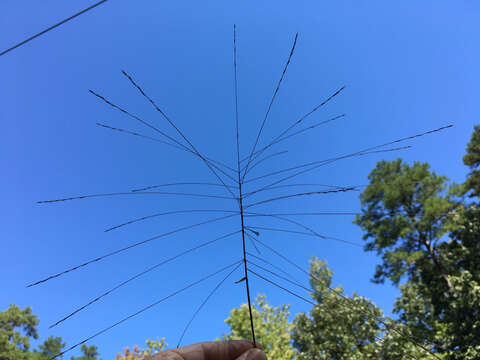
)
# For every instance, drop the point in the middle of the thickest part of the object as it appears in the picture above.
(253, 354)
(258, 346)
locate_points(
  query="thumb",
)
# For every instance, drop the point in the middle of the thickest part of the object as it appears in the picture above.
(252, 354)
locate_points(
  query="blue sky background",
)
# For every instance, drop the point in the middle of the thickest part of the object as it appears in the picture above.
(408, 67)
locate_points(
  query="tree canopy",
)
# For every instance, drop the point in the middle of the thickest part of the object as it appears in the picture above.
(472, 160)
(428, 238)
(347, 327)
(272, 328)
(153, 347)
(89, 353)
(50, 347)
(18, 327)
(404, 216)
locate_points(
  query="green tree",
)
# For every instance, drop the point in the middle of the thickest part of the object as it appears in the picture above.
(153, 347)
(16, 328)
(50, 347)
(405, 214)
(341, 327)
(451, 321)
(89, 353)
(472, 160)
(272, 328)
(430, 238)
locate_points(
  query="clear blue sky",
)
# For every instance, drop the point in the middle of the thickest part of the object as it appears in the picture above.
(408, 67)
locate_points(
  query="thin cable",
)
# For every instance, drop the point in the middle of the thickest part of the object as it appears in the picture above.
(144, 309)
(204, 302)
(53, 27)
(141, 274)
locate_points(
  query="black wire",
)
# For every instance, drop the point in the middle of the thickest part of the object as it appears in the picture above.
(52, 27)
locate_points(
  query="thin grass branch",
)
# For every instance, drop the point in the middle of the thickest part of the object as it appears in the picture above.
(136, 276)
(144, 309)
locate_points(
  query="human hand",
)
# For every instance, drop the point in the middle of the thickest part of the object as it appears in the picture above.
(213, 350)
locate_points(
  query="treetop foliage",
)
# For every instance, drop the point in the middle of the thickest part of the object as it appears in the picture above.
(404, 216)
(18, 326)
(153, 347)
(472, 160)
(272, 328)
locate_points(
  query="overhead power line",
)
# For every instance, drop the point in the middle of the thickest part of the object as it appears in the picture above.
(53, 27)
